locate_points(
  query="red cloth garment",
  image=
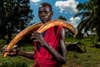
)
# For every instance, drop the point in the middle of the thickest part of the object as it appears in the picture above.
(42, 57)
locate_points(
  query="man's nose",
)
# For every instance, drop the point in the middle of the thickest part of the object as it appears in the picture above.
(43, 13)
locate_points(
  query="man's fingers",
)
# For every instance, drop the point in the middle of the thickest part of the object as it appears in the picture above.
(35, 32)
(35, 36)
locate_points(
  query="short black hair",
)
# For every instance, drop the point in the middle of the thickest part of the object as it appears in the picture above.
(46, 4)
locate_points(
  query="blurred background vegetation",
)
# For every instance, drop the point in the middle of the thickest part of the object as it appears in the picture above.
(84, 50)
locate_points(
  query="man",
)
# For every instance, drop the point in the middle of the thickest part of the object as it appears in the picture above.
(50, 50)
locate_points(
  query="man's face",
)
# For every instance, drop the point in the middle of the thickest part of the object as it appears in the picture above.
(44, 13)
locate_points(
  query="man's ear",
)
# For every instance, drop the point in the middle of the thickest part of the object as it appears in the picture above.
(51, 13)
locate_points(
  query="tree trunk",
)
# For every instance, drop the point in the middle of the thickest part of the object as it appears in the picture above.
(98, 32)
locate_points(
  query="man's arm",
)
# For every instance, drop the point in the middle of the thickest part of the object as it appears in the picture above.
(62, 43)
(16, 51)
(29, 55)
(60, 58)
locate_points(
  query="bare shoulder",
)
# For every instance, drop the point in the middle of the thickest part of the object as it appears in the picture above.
(62, 33)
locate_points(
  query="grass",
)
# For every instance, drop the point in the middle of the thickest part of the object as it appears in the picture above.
(91, 58)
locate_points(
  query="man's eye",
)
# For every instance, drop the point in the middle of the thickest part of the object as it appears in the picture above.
(40, 11)
(46, 12)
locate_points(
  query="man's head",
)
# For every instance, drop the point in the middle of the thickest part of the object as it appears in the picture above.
(45, 12)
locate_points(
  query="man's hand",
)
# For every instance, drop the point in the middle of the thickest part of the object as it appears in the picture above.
(13, 52)
(76, 33)
(38, 37)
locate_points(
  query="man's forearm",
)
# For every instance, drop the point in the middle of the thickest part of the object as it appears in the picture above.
(57, 56)
(26, 54)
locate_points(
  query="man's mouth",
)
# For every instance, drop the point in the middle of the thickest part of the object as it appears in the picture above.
(44, 19)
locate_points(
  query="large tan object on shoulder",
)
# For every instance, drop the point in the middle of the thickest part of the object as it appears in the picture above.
(21, 35)
(53, 23)
(41, 29)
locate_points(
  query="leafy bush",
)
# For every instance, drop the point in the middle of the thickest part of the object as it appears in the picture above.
(13, 64)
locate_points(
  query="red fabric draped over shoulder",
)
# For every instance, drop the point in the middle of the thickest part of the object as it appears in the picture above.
(43, 58)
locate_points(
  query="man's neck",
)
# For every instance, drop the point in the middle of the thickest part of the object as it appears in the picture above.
(45, 21)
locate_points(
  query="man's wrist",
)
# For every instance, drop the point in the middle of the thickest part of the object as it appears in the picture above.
(19, 53)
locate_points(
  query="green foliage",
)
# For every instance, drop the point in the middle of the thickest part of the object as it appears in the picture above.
(90, 58)
(14, 64)
(90, 13)
(14, 15)
(62, 18)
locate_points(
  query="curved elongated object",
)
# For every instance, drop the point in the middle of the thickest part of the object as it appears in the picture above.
(43, 28)
(21, 35)
(53, 23)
